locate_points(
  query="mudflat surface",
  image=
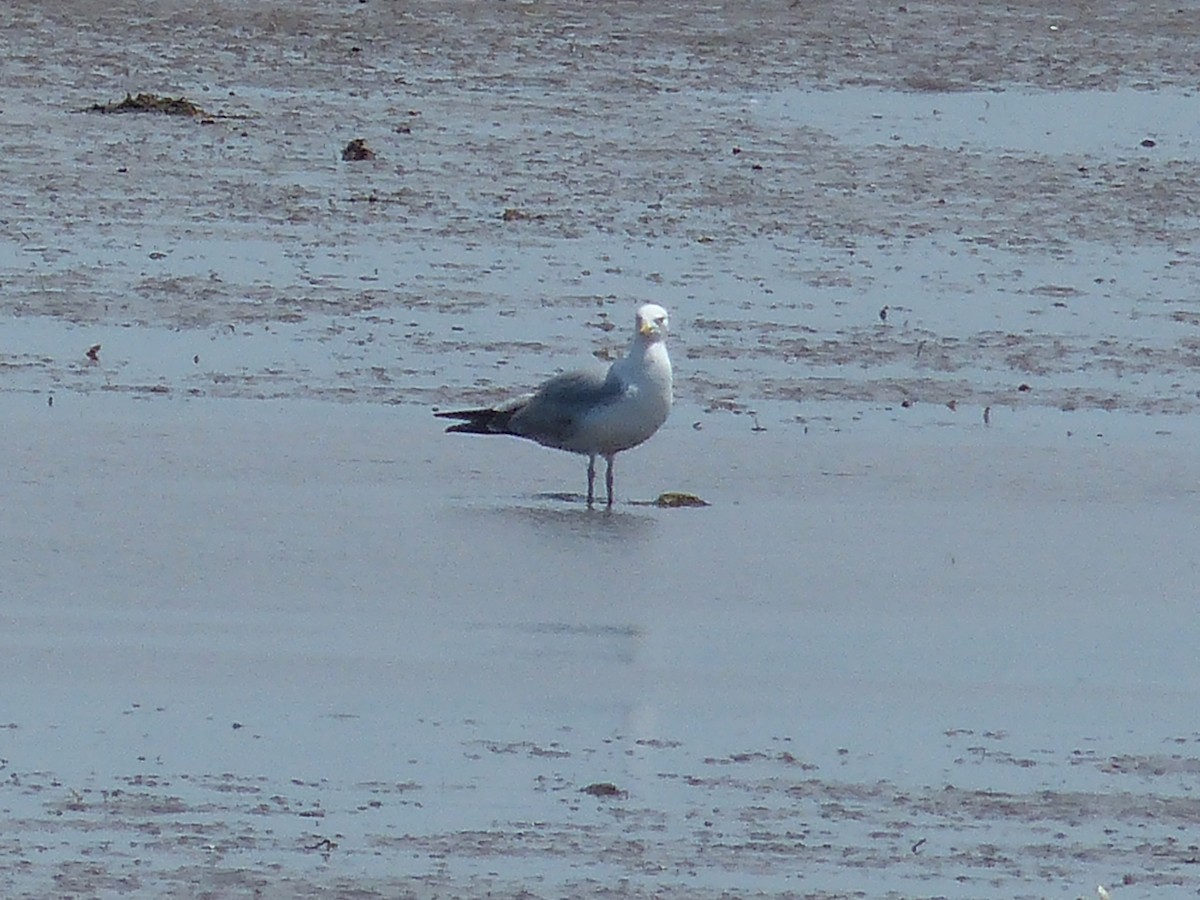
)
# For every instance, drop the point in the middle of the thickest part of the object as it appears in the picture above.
(933, 279)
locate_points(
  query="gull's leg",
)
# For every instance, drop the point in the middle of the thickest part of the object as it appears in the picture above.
(591, 480)
(608, 479)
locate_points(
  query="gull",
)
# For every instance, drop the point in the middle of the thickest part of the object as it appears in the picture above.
(592, 413)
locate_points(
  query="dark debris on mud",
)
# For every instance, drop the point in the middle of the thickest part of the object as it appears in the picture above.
(152, 103)
(357, 151)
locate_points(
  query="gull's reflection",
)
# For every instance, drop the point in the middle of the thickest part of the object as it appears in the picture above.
(567, 515)
(615, 642)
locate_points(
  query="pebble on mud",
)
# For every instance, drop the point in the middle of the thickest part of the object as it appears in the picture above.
(357, 151)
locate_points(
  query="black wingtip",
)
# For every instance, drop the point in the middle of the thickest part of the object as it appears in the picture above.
(475, 421)
(463, 413)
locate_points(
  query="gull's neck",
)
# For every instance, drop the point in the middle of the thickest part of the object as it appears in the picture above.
(640, 345)
(646, 360)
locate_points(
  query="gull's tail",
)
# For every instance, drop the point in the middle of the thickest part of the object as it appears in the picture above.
(481, 421)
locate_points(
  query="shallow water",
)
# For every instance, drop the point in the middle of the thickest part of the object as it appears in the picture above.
(266, 629)
(236, 631)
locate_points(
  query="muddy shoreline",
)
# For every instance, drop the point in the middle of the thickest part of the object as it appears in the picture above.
(672, 155)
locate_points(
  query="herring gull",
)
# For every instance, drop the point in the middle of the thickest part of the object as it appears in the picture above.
(593, 413)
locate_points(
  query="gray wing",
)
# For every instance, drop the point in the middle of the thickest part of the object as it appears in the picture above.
(552, 414)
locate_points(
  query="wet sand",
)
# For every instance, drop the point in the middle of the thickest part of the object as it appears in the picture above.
(269, 632)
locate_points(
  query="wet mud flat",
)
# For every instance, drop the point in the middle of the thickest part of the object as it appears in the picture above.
(935, 298)
(292, 650)
(838, 202)
(752, 824)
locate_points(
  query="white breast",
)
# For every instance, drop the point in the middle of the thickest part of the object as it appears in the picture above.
(639, 412)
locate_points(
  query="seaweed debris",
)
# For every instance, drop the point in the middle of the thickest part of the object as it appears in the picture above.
(171, 106)
(678, 500)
